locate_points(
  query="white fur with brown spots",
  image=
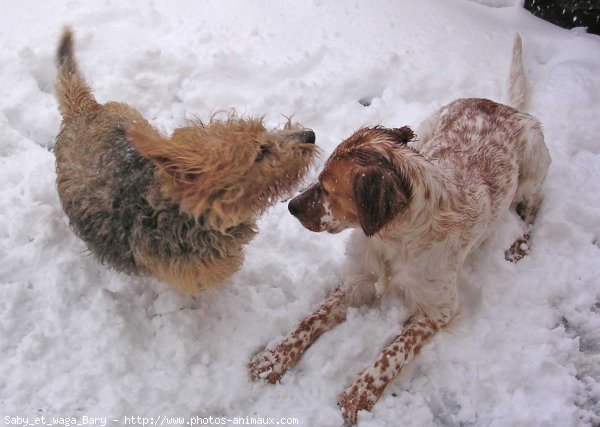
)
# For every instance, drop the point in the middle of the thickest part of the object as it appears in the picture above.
(418, 208)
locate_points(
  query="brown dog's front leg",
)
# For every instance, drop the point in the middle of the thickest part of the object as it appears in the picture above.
(369, 386)
(271, 364)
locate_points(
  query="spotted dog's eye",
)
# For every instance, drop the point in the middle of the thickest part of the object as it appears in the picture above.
(264, 151)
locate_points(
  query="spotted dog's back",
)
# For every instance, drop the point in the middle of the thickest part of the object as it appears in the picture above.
(485, 145)
(491, 146)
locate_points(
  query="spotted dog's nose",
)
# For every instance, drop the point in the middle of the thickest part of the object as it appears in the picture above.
(294, 206)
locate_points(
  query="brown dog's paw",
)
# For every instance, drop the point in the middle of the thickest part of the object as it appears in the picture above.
(518, 250)
(265, 366)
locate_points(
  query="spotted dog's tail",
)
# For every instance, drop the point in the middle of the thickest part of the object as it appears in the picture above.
(517, 86)
(74, 96)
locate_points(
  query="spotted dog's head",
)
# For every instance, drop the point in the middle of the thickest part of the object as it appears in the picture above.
(362, 184)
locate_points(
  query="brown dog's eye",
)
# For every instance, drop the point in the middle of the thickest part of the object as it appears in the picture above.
(264, 151)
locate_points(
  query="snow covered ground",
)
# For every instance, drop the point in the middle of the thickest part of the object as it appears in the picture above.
(79, 340)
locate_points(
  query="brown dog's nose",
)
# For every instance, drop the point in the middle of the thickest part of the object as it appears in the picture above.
(307, 136)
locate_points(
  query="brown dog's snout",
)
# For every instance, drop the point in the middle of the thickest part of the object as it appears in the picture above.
(306, 136)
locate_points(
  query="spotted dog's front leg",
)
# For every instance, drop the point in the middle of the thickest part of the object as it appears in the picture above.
(369, 386)
(271, 364)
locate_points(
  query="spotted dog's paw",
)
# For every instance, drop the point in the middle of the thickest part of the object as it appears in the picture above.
(266, 366)
(355, 398)
(518, 250)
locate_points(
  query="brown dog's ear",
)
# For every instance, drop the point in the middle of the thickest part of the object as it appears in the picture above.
(402, 135)
(149, 144)
(159, 150)
(380, 194)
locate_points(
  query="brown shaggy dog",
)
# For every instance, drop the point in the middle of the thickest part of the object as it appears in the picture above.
(179, 208)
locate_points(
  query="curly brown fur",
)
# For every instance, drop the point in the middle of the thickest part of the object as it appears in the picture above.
(180, 208)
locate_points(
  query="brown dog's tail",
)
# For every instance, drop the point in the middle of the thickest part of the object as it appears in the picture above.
(74, 96)
(517, 85)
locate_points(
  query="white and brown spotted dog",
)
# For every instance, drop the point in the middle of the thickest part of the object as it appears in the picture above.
(419, 208)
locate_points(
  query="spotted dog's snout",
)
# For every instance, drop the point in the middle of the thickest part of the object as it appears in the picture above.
(307, 207)
(294, 207)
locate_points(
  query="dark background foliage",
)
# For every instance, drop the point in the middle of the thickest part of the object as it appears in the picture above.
(568, 13)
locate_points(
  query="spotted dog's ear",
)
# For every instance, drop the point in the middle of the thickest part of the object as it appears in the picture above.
(402, 135)
(380, 194)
